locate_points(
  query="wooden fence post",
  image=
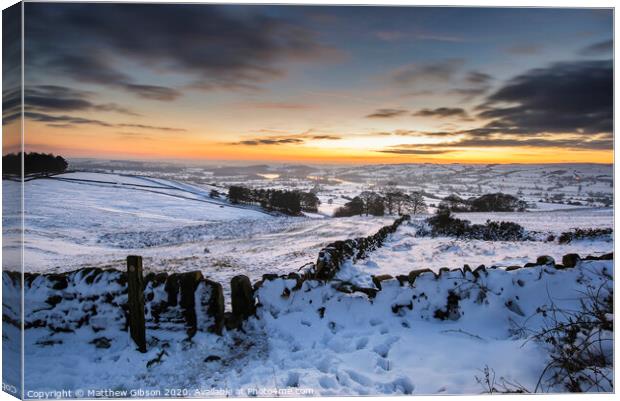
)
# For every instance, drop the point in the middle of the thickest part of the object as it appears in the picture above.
(135, 298)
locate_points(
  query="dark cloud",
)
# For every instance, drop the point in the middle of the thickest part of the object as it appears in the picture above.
(53, 98)
(441, 71)
(271, 141)
(287, 140)
(404, 132)
(442, 112)
(326, 137)
(387, 113)
(604, 48)
(575, 142)
(67, 121)
(153, 92)
(11, 47)
(212, 46)
(565, 105)
(477, 77)
(566, 97)
(151, 127)
(64, 120)
(409, 151)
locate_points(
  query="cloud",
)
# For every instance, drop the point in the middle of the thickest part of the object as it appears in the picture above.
(271, 141)
(54, 98)
(477, 77)
(64, 120)
(565, 97)
(564, 105)
(574, 142)
(442, 112)
(151, 127)
(525, 49)
(410, 151)
(326, 137)
(414, 133)
(153, 92)
(604, 48)
(209, 44)
(387, 113)
(67, 121)
(440, 71)
(287, 140)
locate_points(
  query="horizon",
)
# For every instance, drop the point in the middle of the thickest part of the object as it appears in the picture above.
(328, 85)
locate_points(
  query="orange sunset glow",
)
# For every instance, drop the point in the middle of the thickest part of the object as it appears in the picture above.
(352, 88)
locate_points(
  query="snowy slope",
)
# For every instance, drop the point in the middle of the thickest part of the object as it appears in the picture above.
(96, 219)
(320, 341)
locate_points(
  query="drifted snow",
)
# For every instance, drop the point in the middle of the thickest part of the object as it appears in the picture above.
(335, 343)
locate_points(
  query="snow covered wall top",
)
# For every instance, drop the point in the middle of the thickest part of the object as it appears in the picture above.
(97, 299)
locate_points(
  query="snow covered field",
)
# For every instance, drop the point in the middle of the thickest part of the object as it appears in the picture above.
(404, 251)
(317, 339)
(95, 220)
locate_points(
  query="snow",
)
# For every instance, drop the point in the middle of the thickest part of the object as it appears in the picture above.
(95, 220)
(317, 340)
(405, 251)
(325, 342)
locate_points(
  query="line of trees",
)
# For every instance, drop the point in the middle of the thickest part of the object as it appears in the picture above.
(288, 202)
(497, 202)
(34, 163)
(375, 204)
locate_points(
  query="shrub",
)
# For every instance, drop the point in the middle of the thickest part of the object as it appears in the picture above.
(580, 233)
(580, 342)
(444, 224)
(497, 202)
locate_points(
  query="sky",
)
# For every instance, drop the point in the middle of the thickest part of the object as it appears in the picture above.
(318, 84)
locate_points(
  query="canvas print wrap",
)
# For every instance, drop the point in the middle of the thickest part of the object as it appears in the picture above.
(267, 200)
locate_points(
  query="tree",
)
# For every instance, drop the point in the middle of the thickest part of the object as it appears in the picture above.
(454, 203)
(372, 203)
(34, 163)
(237, 194)
(352, 208)
(310, 202)
(417, 203)
(375, 206)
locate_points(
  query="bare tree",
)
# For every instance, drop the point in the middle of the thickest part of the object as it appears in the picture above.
(417, 203)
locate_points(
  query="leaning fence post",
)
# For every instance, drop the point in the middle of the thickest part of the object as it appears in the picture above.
(135, 298)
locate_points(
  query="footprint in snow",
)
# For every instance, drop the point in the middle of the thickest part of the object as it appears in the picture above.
(383, 363)
(361, 343)
(359, 378)
(328, 382)
(384, 348)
